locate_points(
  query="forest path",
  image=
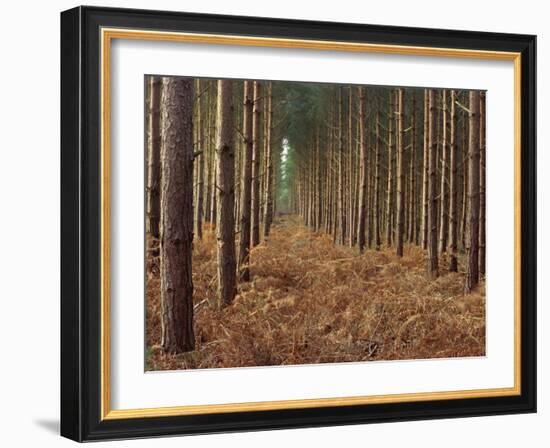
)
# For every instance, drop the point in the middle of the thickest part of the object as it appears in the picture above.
(310, 301)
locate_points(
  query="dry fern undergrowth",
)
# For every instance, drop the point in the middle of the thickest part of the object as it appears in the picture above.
(312, 302)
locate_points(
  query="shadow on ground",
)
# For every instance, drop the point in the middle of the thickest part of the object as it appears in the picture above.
(49, 425)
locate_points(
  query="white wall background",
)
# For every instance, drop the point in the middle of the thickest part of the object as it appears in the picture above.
(29, 185)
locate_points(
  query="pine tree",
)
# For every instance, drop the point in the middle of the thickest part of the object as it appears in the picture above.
(453, 210)
(268, 216)
(255, 224)
(225, 196)
(482, 183)
(433, 262)
(176, 220)
(472, 242)
(153, 159)
(400, 182)
(389, 190)
(443, 197)
(363, 171)
(201, 154)
(246, 185)
(425, 176)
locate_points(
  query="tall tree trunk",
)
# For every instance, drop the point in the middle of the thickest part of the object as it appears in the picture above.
(433, 262)
(318, 183)
(363, 172)
(453, 221)
(176, 220)
(153, 158)
(309, 162)
(472, 243)
(240, 148)
(209, 156)
(389, 200)
(465, 164)
(425, 176)
(328, 171)
(482, 183)
(400, 183)
(225, 232)
(246, 185)
(214, 190)
(214, 200)
(376, 204)
(412, 178)
(341, 171)
(351, 171)
(276, 158)
(370, 185)
(201, 147)
(256, 165)
(443, 213)
(268, 217)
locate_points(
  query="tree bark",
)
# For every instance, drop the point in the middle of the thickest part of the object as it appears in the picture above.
(465, 164)
(214, 199)
(472, 243)
(389, 178)
(268, 217)
(341, 173)
(376, 205)
(210, 155)
(453, 209)
(433, 262)
(214, 189)
(328, 171)
(370, 184)
(443, 213)
(363, 172)
(225, 228)
(256, 165)
(413, 234)
(201, 147)
(246, 185)
(400, 183)
(240, 149)
(318, 183)
(153, 157)
(176, 220)
(482, 183)
(351, 172)
(425, 176)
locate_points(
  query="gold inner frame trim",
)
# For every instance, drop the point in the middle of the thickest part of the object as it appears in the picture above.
(107, 35)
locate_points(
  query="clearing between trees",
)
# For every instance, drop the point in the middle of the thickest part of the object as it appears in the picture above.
(310, 301)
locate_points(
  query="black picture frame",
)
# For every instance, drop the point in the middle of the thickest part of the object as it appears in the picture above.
(81, 224)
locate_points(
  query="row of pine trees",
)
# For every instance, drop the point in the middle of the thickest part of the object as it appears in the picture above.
(389, 166)
(210, 158)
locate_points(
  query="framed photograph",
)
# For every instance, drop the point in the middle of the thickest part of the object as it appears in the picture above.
(276, 224)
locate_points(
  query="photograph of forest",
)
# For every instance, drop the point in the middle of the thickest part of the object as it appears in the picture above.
(293, 223)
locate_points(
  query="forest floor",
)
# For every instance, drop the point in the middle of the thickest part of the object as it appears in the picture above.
(310, 301)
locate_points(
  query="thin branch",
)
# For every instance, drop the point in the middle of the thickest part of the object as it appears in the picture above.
(464, 108)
